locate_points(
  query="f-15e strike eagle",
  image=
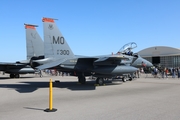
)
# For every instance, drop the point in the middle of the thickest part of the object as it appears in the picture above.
(58, 55)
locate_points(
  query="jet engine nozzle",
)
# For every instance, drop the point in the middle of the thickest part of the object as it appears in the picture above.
(32, 62)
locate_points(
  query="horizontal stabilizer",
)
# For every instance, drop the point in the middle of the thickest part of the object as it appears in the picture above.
(10, 64)
(51, 64)
(23, 61)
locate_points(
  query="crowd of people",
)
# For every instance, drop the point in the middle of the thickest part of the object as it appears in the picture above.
(160, 72)
(55, 72)
(166, 72)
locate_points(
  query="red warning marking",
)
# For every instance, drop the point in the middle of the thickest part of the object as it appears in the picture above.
(48, 20)
(30, 27)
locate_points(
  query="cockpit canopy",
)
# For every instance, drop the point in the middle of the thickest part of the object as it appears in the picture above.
(128, 47)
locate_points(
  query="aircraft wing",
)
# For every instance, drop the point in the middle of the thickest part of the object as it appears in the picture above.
(110, 60)
(103, 60)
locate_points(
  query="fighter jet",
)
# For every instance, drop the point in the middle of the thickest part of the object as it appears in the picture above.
(33, 51)
(58, 55)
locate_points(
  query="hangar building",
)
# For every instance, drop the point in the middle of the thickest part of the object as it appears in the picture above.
(165, 56)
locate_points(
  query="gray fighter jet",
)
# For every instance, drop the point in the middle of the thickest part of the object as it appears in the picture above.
(58, 55)
(33, 51)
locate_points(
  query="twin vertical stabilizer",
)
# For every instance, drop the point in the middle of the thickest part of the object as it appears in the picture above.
(34, 43)
(54, 43)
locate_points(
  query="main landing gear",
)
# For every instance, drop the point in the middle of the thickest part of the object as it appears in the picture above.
(100, 81)
(14, 75)
(81, 78)
(124, 79)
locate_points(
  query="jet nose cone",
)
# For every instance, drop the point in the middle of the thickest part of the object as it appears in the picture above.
(149, 64)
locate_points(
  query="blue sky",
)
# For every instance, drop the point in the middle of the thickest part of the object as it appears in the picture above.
(91, 27)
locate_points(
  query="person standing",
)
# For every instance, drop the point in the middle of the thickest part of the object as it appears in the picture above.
(155, 72)
(163, 72)
(138, 71)
(173, 72)
(166, 72)
(178, 72)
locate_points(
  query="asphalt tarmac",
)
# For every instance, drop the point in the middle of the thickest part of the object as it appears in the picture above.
(145, 98)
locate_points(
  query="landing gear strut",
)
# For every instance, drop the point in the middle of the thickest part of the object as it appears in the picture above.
(81, 78)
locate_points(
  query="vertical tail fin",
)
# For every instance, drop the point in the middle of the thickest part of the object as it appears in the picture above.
(34, 43)
(54, 43)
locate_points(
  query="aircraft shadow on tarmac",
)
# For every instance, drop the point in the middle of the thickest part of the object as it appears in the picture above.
(5, 77)
(26, 87)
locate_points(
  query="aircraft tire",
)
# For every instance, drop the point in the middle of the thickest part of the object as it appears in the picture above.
(16, 75)
(124, 79)
(100, 81)
(12, 76)
(130, 79)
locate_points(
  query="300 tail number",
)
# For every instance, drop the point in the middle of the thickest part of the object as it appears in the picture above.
(62, 52)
